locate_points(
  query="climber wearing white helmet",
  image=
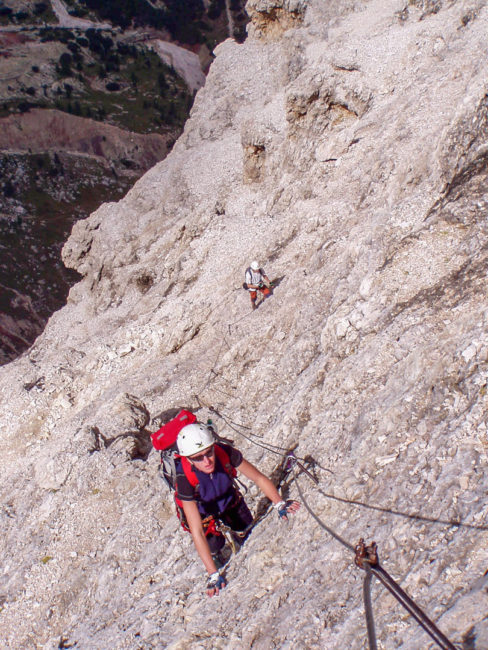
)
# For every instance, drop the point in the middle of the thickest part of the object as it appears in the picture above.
(206, 489)
(256, 280)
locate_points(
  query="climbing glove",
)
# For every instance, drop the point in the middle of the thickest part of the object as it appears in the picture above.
(215, 582)
(281, 509)
(285, 508)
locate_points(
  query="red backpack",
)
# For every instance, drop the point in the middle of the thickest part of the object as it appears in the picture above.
(164, 440)
(165, 437)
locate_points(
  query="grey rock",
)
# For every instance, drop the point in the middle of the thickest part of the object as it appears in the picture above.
(342, 145)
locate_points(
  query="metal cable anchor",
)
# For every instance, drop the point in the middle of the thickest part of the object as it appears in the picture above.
(365, 553)
(367, 559)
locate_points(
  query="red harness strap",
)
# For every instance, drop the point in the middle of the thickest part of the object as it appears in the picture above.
(209, 523)
(222, 456)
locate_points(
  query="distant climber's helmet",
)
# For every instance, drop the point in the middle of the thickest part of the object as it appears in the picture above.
(194, 438)
(255, 266)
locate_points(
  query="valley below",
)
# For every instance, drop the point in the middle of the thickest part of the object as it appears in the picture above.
(86, 107)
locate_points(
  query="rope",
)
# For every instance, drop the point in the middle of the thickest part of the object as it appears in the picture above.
(273, 449)
(219, 390)
(243, 426)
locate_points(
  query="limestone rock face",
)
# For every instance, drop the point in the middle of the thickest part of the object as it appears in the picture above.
(343, 145)
(270, 18)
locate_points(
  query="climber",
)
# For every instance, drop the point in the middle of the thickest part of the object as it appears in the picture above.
(256, 280)
(206, 490)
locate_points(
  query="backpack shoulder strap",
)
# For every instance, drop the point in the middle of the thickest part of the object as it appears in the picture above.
(188, 470)
(224, 459)
(167, 468)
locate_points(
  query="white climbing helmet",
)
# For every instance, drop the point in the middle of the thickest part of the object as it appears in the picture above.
(255, 265)
(194, 438)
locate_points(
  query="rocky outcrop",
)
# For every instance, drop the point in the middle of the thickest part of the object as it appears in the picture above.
(347, 154)
(270, 19)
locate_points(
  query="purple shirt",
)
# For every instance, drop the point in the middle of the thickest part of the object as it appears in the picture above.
(215, 492)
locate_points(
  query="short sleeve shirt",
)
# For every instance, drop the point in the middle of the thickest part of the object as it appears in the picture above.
(254, 277)
(186, 491)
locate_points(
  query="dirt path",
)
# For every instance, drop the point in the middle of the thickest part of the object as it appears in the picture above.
(230, 20)
(186, 64)
(65, 20)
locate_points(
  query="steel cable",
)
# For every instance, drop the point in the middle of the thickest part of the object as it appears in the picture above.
(398, 513)
(384, 577)
(368, 608)
(320, 522)
(274, 449)
(412, 608)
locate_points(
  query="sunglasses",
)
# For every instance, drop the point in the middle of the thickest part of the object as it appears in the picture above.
(205, 454)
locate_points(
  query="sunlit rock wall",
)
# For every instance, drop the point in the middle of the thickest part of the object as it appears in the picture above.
(344, 146)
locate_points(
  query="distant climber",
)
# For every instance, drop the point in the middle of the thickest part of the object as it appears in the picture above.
(256, 280)
(207, 492)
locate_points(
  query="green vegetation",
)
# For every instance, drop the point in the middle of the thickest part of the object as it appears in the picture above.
(143, 95)
(139, 92)
(20, 106)
(56, 34)
(38, 14)
(54, 192)
(186, 21)
(98, 74)
(64, 66)
(99, 78)
(182, 19)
